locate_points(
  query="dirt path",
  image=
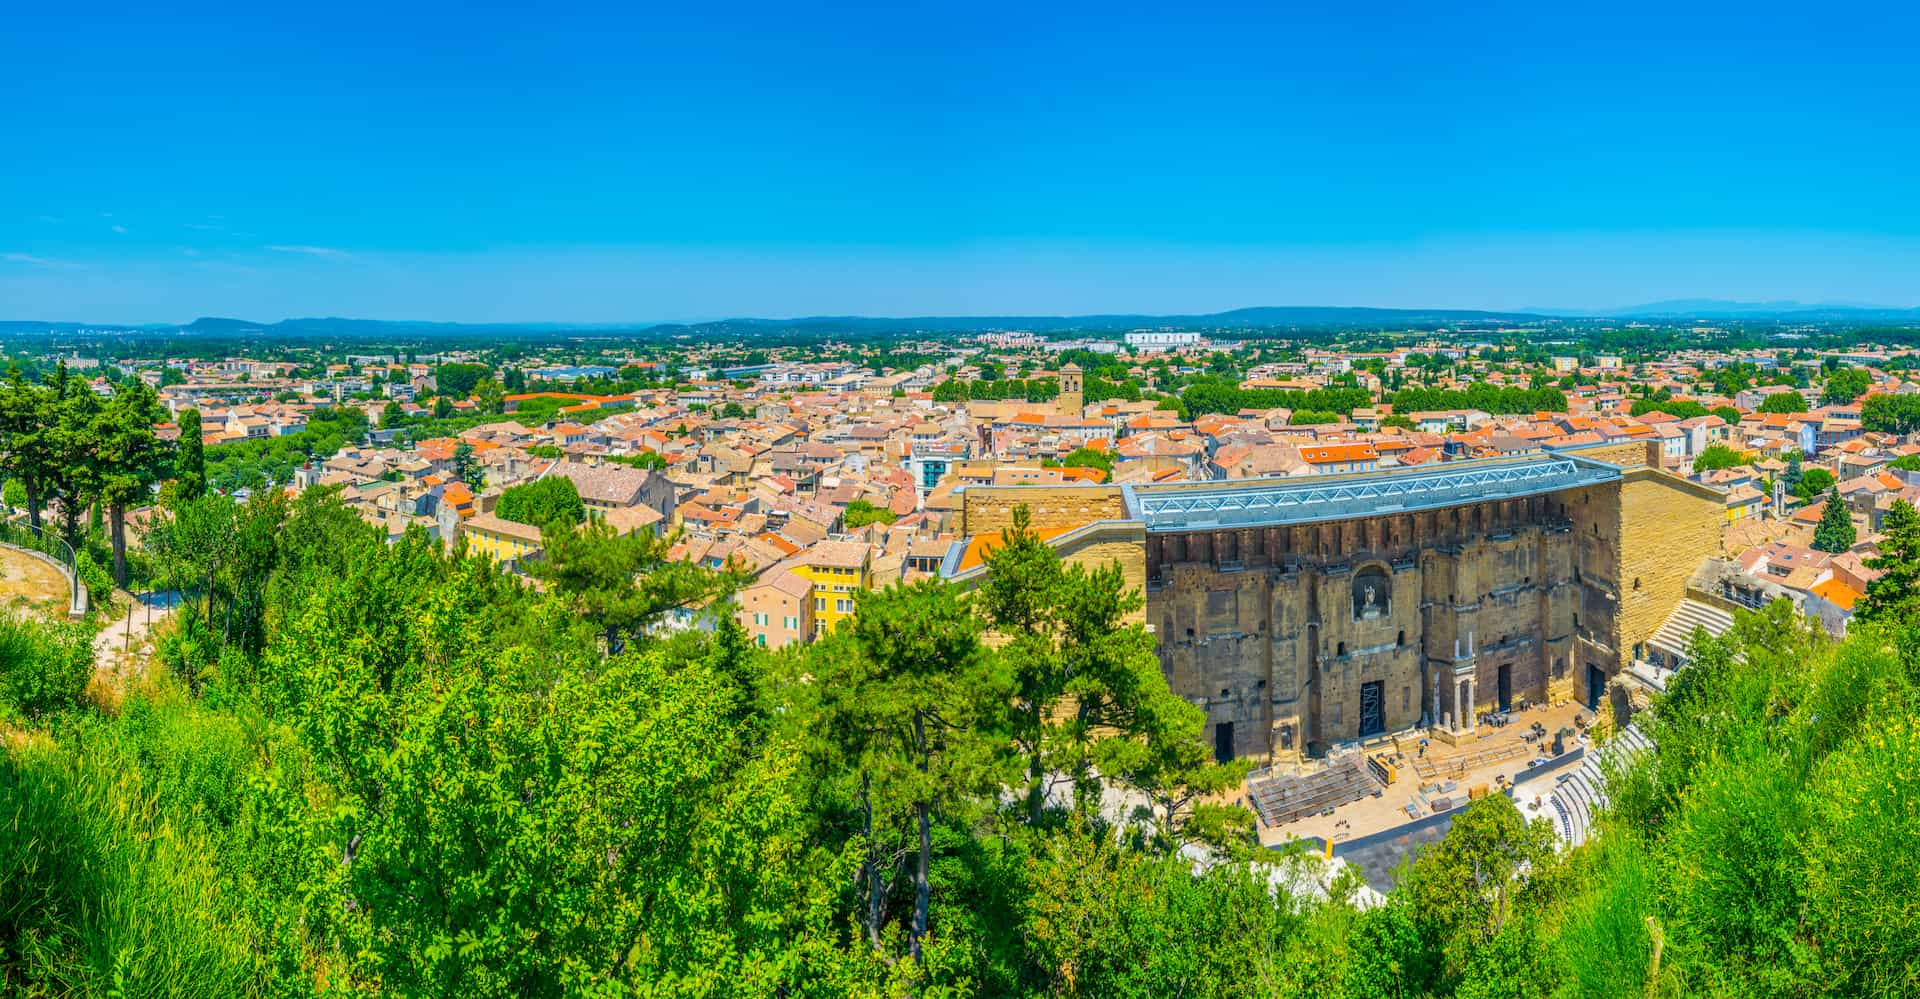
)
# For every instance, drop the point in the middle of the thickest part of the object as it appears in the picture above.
(124, 645)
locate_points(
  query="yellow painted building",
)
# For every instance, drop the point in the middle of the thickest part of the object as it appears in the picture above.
(1743, 502)
(837, 571)
(504, 541)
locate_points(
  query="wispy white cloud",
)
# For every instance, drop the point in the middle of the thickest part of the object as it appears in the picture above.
(34, 260)
(311, 251)
(122, 230)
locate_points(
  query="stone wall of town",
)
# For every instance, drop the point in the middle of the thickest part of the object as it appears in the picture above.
(989, 509)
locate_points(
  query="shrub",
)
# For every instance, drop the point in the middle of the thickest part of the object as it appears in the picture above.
(96, 578)
(45, 665)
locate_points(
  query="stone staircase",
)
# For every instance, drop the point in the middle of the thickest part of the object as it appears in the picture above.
(1576, 799)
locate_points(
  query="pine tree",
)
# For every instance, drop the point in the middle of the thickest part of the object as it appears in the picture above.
(132, 458)
(1794, 472)
(1835, 533)
(1895, 596)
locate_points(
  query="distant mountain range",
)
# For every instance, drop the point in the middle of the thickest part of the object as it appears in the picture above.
(1264, 317)
(1714, 308)
(1268, 317)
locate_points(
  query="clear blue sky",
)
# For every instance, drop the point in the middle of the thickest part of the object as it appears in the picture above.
(640, 162)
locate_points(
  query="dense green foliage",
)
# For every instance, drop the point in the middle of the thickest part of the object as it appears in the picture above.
(1845, 385)
(1714, 457)
(44, 666)
(1222, 395)
(67, 447)
(1890, 414)
(1784, 402)
(1895, 595)
(253, 464)
(365, 769)
(1086, 457)
(1835, 532)
(550, 500)
(1813, 482)
(1034, 390)
(459, 380)
(1494, 399)
(1685, 409)
(860, 513)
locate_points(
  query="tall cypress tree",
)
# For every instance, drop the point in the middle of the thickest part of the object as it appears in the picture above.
(190, 461)
(1835, 533)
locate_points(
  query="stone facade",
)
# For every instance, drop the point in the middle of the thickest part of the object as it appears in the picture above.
(1298, 637)
(1295, 638)
(989, 509)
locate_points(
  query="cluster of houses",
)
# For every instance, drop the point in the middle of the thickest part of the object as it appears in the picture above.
(818, 480)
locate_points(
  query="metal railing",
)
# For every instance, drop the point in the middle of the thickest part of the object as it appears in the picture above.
(23, 535)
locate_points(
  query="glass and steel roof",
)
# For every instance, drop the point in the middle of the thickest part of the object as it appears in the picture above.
(1268, 502)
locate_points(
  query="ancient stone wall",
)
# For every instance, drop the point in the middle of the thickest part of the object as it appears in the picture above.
(1280, 632)
(1294, 638)
(989, 509)
(1668, 526)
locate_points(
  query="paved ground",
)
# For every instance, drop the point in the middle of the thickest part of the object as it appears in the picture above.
(1371, 815)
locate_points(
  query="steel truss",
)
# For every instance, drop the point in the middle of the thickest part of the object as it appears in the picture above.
(1264, 502)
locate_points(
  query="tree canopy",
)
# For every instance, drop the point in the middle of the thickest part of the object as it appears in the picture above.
(364, 768)
(1784, 402)
(1714, 457)
(1835, 532)
(550, 500)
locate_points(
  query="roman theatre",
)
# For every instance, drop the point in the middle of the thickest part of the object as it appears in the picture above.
(1306, 613)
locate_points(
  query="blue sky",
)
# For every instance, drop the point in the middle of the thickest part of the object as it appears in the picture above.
(641, 162)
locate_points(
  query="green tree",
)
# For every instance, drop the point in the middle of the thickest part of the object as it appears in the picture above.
(190, 460)
(1089, 694)
(75, 470)
(860, 513)
(549, 500)
(1813, 482)
(1685, 409)
(918, 707)
(1717, 456)
(1895, 594)
(393, 415)
(27, 452)
(1835, 532)
(1784, 402)
(1794, 472)
(1845, 385)
(1459, 892)
(623, 583)
(459, 380)
(1890, 414)
(133, 459)
(466, 467)
(489, 397)
(1087, 457)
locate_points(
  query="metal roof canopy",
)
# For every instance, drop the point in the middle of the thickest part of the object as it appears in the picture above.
(1271, 501)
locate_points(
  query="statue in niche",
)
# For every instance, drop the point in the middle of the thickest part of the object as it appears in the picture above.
(1372, 594)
